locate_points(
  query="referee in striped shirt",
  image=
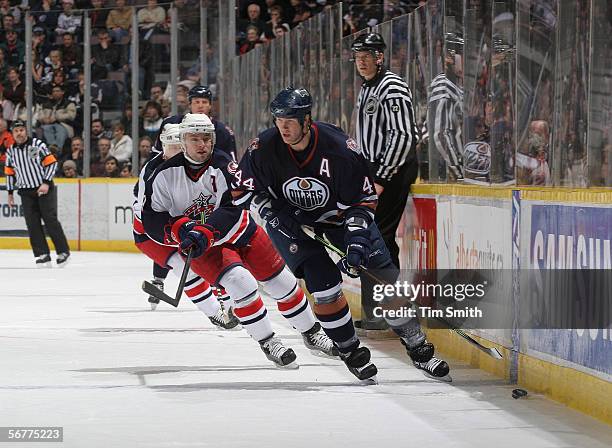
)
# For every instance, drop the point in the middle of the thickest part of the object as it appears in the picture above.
(387, 135)
(29, 168)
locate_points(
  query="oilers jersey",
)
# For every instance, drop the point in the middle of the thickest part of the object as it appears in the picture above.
(328, 181)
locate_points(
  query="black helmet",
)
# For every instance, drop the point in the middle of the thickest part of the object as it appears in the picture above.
(369, 42)
(291, 103)
(200, 92)
(18, 124)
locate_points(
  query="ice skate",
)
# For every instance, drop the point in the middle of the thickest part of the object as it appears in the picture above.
(276, 352)
(43, 261)
(318, 343)
(358, 363)
(154, 301)
(219, 320)
(423, 358)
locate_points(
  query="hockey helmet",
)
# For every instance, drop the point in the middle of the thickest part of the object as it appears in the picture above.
(291, 103)
(170, 135)
(373, 42)
(200, 92)
(196, 124)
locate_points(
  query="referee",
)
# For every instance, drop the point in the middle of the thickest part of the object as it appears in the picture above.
(29, 168)
(387, 136)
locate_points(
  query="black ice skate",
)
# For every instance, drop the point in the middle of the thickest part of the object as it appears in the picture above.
(358, 363)
(219, 320)
(62, 259)
(423, 358)
(276, 352)
(43, 261)
(154, 301)
(318, 342)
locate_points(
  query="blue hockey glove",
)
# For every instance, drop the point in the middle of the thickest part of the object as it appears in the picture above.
(281, 217)
(193, 236)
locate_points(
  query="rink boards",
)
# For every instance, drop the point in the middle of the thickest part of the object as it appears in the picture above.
(445, 227)
(454, 227)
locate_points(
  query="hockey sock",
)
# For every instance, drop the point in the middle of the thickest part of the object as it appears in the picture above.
(296, 310)
(254, 319)
(291, 300)
(200, 293)
(159, 272)
(333, 312)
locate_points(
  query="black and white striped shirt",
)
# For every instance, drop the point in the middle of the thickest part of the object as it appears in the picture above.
(29, 165)
(386, 128)
(445, 118)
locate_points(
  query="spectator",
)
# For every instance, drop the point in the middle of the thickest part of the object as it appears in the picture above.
(100, 155)
(69, 169)
(302, 12)
(48, 15)
(76, 153)
(121, 144)
(251, 41)
(14, 49)
(14, 89)
(6, 10)
(253, 18)
(276, 19)
(157, 93)
(111, 167)
(98, 132)
(166, 107)
(68, 21)
(106, 56)
(98, 14)
(4, 65)
(8, 24)
(39, 42)
(281, 29)
(6, 140)
(126, 170)
(58, 79)
(126, 120)
(144, 150)
(52, 63)
(119, 20)
(57, 118)
(72, 55)
(7, 108)
(150, 18)
(152, 119)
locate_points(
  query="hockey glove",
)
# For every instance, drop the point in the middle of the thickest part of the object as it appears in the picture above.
(282, 218)
(193, 236)
(358, 244)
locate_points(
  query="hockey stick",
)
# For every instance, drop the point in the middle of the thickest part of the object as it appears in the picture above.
(491, 351)
(151, 289)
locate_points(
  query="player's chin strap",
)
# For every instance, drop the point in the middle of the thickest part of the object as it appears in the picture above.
(491, 351)
(304, 134)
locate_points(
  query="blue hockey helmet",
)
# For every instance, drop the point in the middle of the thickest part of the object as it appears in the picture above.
(200, 92)
(291, 103)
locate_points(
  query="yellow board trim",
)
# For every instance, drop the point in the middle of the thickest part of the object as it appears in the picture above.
(556, 194)
(86, 245)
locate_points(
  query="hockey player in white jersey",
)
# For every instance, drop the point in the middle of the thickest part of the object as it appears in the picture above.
(196, 288)
(227, 246)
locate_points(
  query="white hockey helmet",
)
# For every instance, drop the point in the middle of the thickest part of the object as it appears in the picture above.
(197, 124)
(170, 135)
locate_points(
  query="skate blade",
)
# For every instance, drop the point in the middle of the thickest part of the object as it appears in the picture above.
(153, 306)
(43, 265)
(444, 379)
(320, 354)
(372, 381)
(63, 265)
(291, 366)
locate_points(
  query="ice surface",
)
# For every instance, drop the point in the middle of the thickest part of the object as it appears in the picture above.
(79, 348)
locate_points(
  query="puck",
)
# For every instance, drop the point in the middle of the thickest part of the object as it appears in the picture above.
(519, 393)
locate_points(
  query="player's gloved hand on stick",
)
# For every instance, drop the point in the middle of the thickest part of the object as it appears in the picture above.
(193, 236)
(280, 216)
(358, 244)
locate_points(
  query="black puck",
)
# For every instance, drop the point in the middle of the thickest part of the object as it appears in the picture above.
(519, 393)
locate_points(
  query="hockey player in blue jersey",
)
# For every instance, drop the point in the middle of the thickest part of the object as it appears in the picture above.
(302, 172)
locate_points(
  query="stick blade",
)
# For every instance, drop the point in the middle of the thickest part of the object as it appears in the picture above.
(154, 291)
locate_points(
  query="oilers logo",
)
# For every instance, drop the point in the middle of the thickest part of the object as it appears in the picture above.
(306, 193)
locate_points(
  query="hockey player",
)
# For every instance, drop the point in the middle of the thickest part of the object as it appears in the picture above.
(302, 172)
(197, 289)
(227, 247)
(200, 102)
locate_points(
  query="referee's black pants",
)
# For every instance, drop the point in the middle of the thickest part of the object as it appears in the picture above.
(36, 207)
(391, 205)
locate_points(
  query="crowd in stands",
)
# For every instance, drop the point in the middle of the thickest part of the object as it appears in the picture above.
(58, 76)
(263, 20)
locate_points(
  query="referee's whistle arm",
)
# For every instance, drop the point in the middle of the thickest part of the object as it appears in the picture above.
(11, 200)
